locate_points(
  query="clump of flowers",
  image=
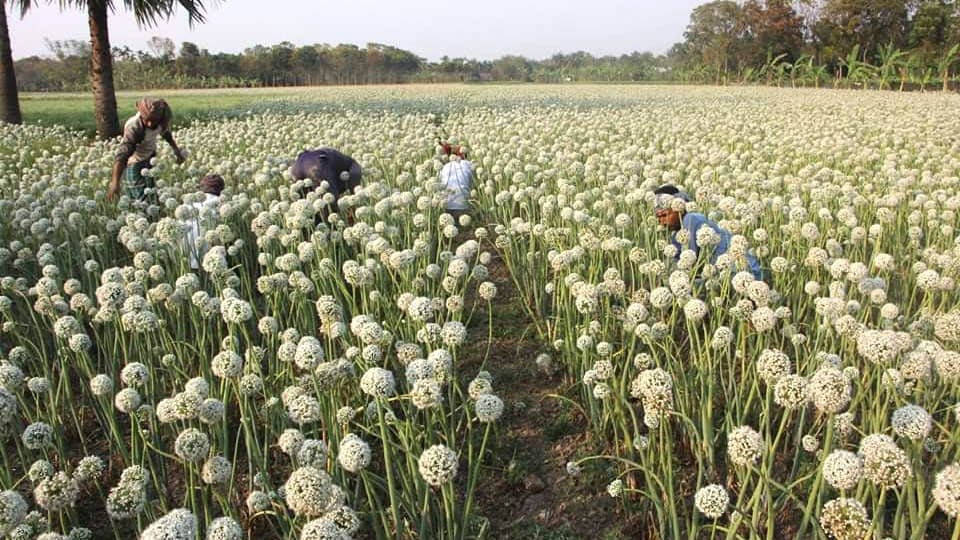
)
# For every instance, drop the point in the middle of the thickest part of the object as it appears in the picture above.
(310, 492)
(884, 463)
(842, 469)
(179, 524)
(489, 408)
(354, 454)
(744, 446)
(912, 422)
(128, 498)
(13, 510)
(225, 528)
(378, 382)
(946, 490)
(192, 445)
(829, 390)
(712, 500)
(845, 519)
(438, 465)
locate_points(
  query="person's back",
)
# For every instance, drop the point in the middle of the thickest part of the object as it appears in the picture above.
(698, 229)
(138, 145)
(693, 223)
(143, 140)
(328, 164)
(206, 212)
(457, 177)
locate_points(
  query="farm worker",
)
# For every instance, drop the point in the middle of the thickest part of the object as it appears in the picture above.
(457, 177)
(341, 172)
(206, 212)
(139, 145)
(665, 204)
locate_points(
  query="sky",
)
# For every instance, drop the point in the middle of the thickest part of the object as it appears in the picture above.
(483, 30)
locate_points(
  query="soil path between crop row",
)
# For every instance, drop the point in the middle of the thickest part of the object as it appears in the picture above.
(525, 491)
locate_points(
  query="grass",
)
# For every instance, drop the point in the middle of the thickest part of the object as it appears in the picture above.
(75, 110)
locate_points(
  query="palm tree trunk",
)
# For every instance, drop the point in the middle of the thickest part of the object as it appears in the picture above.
(101, 71)
(9, 100)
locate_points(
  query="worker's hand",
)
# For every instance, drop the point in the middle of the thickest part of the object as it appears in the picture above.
(112, 192)
(180, 157)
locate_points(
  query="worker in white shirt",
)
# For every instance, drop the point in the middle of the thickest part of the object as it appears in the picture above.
(207, 211)
(457, 177)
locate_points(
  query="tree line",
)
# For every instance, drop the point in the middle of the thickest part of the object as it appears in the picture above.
(851, 43)
(164, 65)
(897, 44)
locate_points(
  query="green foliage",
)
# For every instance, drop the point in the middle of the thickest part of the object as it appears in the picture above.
(768, 41)
(76, 110)
(865, 43)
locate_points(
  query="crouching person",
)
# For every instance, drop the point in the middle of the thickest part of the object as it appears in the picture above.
(686, 229)
(341, 172)
(456, 177)
(206, 212)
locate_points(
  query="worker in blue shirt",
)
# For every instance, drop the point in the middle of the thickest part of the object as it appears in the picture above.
(692, 222)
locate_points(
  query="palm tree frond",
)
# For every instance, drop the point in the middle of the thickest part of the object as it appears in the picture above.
(148, 13)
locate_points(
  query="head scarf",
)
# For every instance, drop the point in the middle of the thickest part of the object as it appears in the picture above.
(155, 109)
(212, 184)
(448, 149)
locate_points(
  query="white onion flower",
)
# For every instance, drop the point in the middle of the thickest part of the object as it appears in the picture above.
(712, 500)
(437, 465)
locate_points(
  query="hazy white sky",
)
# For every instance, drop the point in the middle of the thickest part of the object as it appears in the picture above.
(482, 30)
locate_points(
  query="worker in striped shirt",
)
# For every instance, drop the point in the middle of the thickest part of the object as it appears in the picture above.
(139, 145)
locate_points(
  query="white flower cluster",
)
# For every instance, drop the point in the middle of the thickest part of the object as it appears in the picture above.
(310, 492)
(355, 454)
(912, 422)
(946, 490)
(882, 346)
(884, 463)
(744, 446)
(772, 365)
(437, 465)
(712, 500)
(845, 519)
(13, 510)
(489, 408)
(128, 498)
(57, 493)
(829, 390)
(191, 445)
(842, 469)
(378, 382)
(179, 524)
(225, 528)
(654, 387)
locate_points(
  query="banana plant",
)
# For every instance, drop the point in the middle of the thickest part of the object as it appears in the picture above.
(858, 71)
(819, 72)
(909, 69)
(891, 59)
(780, 69)
(770, 66)
(926, 76)
(944, 64)
(801, 69)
